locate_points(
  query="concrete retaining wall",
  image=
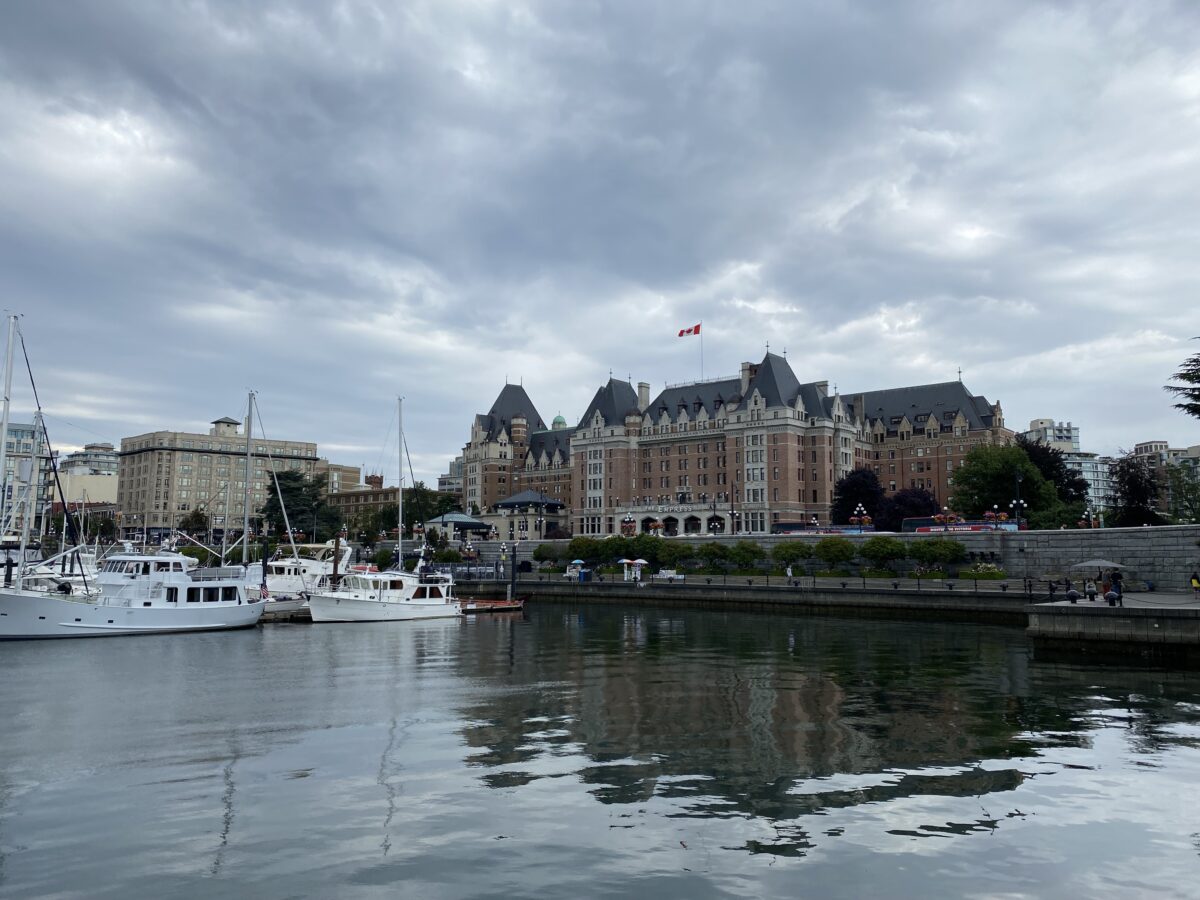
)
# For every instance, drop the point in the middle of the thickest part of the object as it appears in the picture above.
(960, 605)
(1165, 556)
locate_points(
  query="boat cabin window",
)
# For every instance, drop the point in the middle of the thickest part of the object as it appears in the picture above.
(435, 592)
(419, 594)
(397, 585)
(211, 594)
(176, 567)
(172, 595)
(162, 567)
(229, 594)
(193, 595)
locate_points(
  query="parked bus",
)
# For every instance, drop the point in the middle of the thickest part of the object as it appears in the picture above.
(930, 525)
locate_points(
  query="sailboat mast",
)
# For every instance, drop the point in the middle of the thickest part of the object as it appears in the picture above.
(400, 489)
(8, 369)
(246, 493)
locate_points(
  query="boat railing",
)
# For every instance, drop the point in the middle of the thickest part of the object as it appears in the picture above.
(222, 574)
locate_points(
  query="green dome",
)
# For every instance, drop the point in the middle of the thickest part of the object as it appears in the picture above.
(559, 422)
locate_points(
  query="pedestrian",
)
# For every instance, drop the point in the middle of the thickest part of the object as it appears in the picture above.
(789, 576)
(1196, 584)
(1118, 581)
(1090, 589)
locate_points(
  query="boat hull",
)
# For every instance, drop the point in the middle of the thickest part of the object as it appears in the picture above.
(31, 615)
(332, 608)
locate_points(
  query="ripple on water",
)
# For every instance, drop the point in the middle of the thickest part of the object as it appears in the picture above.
(592, 752)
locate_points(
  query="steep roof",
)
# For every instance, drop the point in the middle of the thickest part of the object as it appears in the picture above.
(511, 402)
(530, 498)
(710, 395)
(225, 420)
(612, 401)
(775, 380)
(943, 401)
(548, 441)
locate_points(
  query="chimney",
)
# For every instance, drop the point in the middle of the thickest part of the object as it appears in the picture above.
(643, 396)
(747, 374)
(822, 388)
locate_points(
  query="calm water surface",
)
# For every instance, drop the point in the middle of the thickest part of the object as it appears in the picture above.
(598, 752)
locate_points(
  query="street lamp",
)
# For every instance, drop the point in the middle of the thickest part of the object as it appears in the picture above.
(1018, 505)
(815, 524)
(860, 513)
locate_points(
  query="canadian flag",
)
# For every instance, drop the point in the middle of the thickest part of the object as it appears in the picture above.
(684, 332)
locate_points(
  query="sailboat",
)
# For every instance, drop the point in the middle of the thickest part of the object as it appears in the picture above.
(133, 593)
(394, 595)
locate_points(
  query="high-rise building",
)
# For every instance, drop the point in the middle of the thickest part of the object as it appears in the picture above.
(22, 446)
(164, 475)
(452, 481)
(1060, 435)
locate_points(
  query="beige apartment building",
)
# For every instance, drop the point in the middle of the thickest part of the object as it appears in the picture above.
(166, 474)
(742, 454)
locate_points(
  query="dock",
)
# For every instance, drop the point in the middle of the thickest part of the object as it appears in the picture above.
(1158, 628)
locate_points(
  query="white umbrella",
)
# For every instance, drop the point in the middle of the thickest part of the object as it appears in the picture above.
(1098, 564)
(640, 562)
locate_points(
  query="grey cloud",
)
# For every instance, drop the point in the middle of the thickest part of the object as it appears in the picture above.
(202, 193)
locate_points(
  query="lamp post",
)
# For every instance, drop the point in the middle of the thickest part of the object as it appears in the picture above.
(815, 523)
(1018, 505)
(860, 512)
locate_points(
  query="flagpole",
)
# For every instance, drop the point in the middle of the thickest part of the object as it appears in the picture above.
(701, 349)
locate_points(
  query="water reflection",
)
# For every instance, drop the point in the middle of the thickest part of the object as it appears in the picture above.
(765, 718)
(664, 753)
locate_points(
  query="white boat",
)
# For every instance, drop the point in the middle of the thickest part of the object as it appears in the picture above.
(386, 597)
(292, 575)
(137, 593)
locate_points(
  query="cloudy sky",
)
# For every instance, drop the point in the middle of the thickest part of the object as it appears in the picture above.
(337, 203)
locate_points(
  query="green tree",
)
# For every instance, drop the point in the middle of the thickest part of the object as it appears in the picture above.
(550, 553)
(992, 476)
(882, 552)
(1135, 490)
(937, 552)
(103, 528)
(855, 488)
(422, 504)
(788, 553)
(586, 548)
(745, 555)
(1184, 485)
(447, 555)
(714, 556)
(1189, 390)
(670, 554)
(834, 551)
(905, 504)
(195, 522)
(304, 499)
(1071, 487)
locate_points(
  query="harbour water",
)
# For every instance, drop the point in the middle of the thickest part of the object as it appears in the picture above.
(575, 752)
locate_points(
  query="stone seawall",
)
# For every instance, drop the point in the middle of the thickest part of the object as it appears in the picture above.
(1165, 556)
(990, 607)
